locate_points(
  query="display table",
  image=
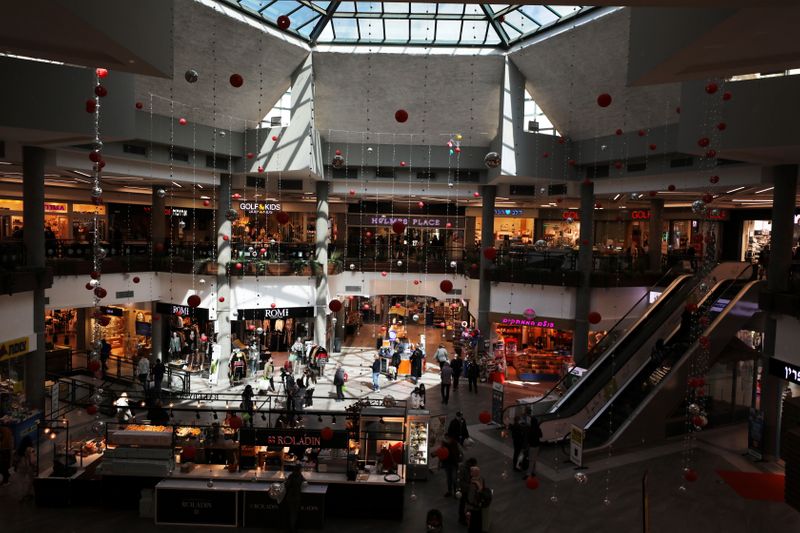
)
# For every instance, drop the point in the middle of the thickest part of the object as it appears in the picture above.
(20, 428)
(233, 504)
(53, 491)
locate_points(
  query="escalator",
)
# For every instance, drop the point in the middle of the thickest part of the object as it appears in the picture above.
(621, 354)
(640, 408)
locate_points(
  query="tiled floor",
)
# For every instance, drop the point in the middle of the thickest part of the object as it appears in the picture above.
(560, 504)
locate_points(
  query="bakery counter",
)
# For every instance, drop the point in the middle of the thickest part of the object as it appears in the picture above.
(220, 472)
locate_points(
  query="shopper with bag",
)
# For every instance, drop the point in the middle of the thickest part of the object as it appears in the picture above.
(338, 381)
(450, 463)
(479, 497)
(464, 479)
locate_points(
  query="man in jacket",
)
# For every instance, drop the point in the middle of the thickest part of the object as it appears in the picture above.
(158, 376)
(458, 428)
(447, 379)
(441, 356)
(338, 381)
(376, 373)
(457, 364)
(473, 371)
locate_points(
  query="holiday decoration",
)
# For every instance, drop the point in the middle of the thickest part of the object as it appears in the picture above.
(337, 162)
(191, 75)
(529, 313)
(492, 160)
(485, 417)
(726, 96)
(708, 198)
(182, 121)
(670, 187)
(100, 91)
(282, 217)
(604, 100)
(100, 292)
(594, 317)
(690, 475)
(91, 106)
(284, 22)
(711, 88)
(703, 142)
(335, 306)
(139, 105)
(236, 80)
(698, 207)
(490, 253)
(398, 227)
(136, 279)
(722, 126)
(581, 478)
(446, 286)
(532, 482)
(326, 433)
(401, 115)
(193, 301)
(618, 131)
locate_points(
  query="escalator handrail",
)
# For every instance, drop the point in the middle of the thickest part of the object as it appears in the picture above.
(617, 324)
(676, 285)
(738, 295)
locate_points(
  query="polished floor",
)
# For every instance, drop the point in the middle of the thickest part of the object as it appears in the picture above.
(611, 500)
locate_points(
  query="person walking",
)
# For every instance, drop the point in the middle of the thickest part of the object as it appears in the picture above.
(518, 441)
(143, 373)
(457, 364)
(376, 373)
(293, 496)
(458, 428)
(475, 503)
(447, 379)
(158, 377)
(533, 439)
(441, 356)
(338, 381)
(6, 452)
(25, 468)
(416, 365)
(450, 463)
(464, 479)
(248, 406)
(105, 354)
(473, 371)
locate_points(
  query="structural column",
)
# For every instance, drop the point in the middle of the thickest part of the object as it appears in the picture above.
(321, 257)
(223, 324)
(583, 293)
(33, 162)
(780, 264)
(654, 231)
(488, 195)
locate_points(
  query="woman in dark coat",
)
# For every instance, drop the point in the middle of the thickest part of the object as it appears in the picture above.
(416, 364)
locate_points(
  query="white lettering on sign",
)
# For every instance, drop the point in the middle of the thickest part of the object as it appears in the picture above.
(414, 222)
(252, 207)
(791, 374)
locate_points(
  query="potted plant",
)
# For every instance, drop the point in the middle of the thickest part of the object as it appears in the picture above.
(335, 262)
(279, 268)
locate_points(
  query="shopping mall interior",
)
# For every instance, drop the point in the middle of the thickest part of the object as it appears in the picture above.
(524, 267)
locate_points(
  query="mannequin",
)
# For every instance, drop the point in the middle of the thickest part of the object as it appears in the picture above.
(175, 346)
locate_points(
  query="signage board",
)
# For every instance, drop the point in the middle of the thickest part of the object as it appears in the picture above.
(197, 507)
(181, 310)
(112, 311)
(310, 438)
(511, 321)
(260, 509)
(498, 397)
(259, 207)
(52, 207)
(500, 212)
(275, 312)
(145, 329)
(14, 348)
(89, 209)
(784, 370)
(410, 221)
(576, 436)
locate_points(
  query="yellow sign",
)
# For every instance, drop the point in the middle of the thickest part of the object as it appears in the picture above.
(89, 208)
(13, 348)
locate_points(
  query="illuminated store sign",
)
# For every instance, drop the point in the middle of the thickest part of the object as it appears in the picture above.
(414, 222)
(259, 207)
(508, 321)
(570, 214)
(176, 212)
(640, 214)
(509, 212)
(275, 312)
(181, 310)
(55, 208)
(784, 370)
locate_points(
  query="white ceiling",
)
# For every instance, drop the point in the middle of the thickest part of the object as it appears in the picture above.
(566, 72)
(215, 43)
(443, 94)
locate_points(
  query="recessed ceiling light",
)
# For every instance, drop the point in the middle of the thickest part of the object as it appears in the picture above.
(178, 185)
(765, 190)
(735, 190)
(6, 163)
(205, 198)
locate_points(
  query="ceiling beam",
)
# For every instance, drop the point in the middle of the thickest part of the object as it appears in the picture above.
(324, 21)
(497, 26)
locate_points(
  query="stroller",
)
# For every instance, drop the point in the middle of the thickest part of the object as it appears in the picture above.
(434, 521)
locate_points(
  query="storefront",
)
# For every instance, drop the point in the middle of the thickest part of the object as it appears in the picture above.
(188, 335)
(537, 349)
(128, 329)
(13, 411)
(274, 328)
(63, 221)
(511, 226)
(257, 224)
(437, 234)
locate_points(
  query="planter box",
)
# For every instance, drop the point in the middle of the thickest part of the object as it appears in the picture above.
(279, 269)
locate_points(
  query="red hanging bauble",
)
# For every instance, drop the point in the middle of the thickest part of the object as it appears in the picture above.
(641, 133)
(652, 147)
(532, 482)
(100, 292)
(652, 193)
(239, 266)
(326, 433)
(101, 72)
(485, 417)
(225, 238)
(136, 279)
(384, 273)
(250, 155)
(711, 88)
(95, 156)
(594, 317)
(714, 179)
(91, 105)
(260, 170)
(221, 298)
(476, 194)
(618, 132)
(711, 154)
(193, 301)
(335, 306)
(618, 164)
(274, 137)
(545, 155)
(490, 253)
(89, 286)
(420, 204)
(182, 121)
(139, 105)
(236, 80)
(282, 217)
(416, 282)
(352, 192)
(670, 187)
(678, 110)
(398, 227)
(690, 475)
(401, 115)
(402, 163)
(100, 91)
(236, 196)
(206, 203)
(448, 225)
(703, 142)
(726, 96)
(338, 152)
(273, 305)
(722, 126)
(604, 100)
(572, 162)
(94, 274)
(284, 22)
(446, 286)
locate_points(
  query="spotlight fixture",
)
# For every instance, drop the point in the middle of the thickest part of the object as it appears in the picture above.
(142, 404)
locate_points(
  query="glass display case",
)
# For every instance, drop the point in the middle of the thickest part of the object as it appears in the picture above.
(417, 443)
(382, 435)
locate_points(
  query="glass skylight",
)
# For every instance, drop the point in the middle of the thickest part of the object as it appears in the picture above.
(409, 23)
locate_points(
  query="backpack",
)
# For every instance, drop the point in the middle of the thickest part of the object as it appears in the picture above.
(484, 497)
